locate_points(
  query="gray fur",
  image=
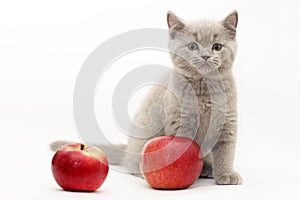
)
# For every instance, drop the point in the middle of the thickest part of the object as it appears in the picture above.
(208, 80)
(54, 146)
(205, 80)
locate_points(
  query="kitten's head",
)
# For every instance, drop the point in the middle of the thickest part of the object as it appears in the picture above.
(202, 46)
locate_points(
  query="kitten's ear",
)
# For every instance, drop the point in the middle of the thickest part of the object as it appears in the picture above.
(230, 23)
(173, 20)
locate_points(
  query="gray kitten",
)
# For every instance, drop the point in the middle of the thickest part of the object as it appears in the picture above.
(202, 53)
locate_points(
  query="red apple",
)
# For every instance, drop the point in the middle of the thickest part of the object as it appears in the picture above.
(170, 162)
(79, 167)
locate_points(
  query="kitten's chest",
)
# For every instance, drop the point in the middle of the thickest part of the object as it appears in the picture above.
(204, 105)
(203, 96)
(210, 95)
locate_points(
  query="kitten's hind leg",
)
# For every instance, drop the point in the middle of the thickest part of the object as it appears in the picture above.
(132, 157)
(207, 171)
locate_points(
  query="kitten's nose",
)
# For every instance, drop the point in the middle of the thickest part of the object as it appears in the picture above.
(205, 57)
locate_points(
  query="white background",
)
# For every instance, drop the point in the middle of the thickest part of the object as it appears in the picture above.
(43, 45)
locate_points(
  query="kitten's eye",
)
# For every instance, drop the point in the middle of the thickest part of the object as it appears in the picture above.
(192, 46)
(217, 47)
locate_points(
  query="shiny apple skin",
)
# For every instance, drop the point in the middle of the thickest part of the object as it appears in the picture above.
(79, 170)
(171, 162)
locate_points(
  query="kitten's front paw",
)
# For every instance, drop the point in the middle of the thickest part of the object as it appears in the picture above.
(229, 179)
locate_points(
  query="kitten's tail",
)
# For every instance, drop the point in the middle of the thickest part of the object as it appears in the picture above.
(114, 157)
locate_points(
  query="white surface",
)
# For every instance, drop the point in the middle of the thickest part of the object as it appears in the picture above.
(42, 47)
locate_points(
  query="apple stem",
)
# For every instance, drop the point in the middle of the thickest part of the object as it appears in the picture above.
(82, 147)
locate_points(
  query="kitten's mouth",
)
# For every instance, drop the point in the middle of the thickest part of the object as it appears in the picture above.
(206, 67)
(207, 64)
(210, 64)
